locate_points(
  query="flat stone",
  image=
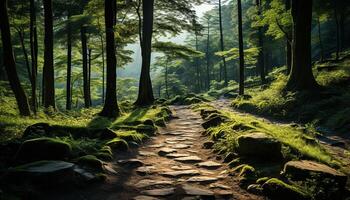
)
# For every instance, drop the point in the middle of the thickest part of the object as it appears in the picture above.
(145, 198)
(159, 192)
(171, 142)
(180, 146)
(181, 167)
(189, 159)
(147, 153)
(156, 145)
(146, 170)
(165, 150)
(196, 191)
(188, 142)
(148, 182)
(219, 186)
(224, 193)
(202, 179)
(181, 173)
(176, 139)
(133, 163)
(177, 155)
(172, 133)
(209, 165)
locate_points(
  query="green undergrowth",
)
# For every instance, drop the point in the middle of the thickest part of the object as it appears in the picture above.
(329, 107)
(296, 143)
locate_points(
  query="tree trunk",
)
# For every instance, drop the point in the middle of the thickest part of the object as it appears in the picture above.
(241, 51)
(320, 40)
(301, 77)
(69, 66)
(208, 57)
(49, 74)
(9, 62)
(34, 54)
(24, 50)
(89, 75)
(103, 68)
(288, 46)
(337, 29)
(110, 108)
(261, 64)
(222, 45)
(166, 80)
(197, 67)
(145, 95)
(86, 87)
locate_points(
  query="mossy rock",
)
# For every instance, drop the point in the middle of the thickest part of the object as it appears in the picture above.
(160, 122)
(206, 112)
(234, 163)
(255, 189)
(118, 144)
(148, 129)
(104, 156)
(43, 149)
(107, 134)
(259, 145)
(214, 121)
(262, 180)
(90, 161)
(149, 122)
(37, 130)
(192, 100)
(276, 189)
(241, 127)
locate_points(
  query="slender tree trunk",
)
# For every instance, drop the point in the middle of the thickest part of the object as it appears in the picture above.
(336, 19)
(166, 80)
(320, 39)
(261, 64)
(288, 45)
(9, 62)
(197, 67)
(34, 54)
(342, 19)
(103, 69)
(145, 95)
(301, 77)
(208, 56)
(89, 75)
(49, 73)
(24, 50)
(241, 50)
(69, 66)
(84, 53)
(222, 45)
(110, 108)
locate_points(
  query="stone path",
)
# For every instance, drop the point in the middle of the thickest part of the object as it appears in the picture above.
(172, 165)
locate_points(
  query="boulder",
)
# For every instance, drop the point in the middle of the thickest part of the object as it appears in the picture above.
(305, 169)
(276, 189)
(91, 162)
(259, 145)
(43, 149)
(107, 134)
(43, 172)
(214, 121)
(205, 113)
(37, 130)
(118, 144)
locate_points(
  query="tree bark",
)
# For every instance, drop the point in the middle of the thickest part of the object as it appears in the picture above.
(261, 64)
(288, 46)
(208, 56)
(145, 95)
(49, 74)
(197, 67)
(320, 40)
(86, 87)
(337, 24)
(69, 66)
(222, 45)
(34, 54)
(110, 108)
(166, 80)
(9, 62)
(301, 77)
(103, 68)
(241, 50)
(89, 75)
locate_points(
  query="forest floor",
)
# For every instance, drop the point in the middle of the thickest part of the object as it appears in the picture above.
(172, 165)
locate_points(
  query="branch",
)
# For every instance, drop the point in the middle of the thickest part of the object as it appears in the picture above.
(284, 31)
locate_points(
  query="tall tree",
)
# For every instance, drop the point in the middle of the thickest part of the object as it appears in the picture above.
(48, 71)
(84, 53)
(110, 108)
(9, 62)
(222, 45)
(301, 77)
(207, 53)
(288, 44)
(69, 64)
(241, 50)
(260, 63)
(145, 95)
(33, 52)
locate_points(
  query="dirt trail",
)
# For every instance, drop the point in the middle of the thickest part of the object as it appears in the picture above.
(171, 165)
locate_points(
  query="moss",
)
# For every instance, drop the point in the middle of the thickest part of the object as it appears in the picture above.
(262, 180)
(118, 144)
(130, 136)
(104, 156)
(276, 189)
(234, 163)
(90, 161)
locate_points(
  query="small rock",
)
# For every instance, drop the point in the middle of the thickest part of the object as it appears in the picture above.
(156, 146)
(159, 192)
(219, 186)
(165, 151)
(145, 170)
(196, 191)
(145, 198)
(276, 189)
(107, 134)
(209, 165)
(189, 159)
(177, 155)
(146, 153)
(180, 146)
(181, 167)
(208, 144)
(202, 179)
(132, 163)
(255, 189)
(181, 173)
(148, 182)
(214, 121)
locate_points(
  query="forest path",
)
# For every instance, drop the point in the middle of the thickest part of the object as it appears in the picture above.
(337, 145)
(171, 165)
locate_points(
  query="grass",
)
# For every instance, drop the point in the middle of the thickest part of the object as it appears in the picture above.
(292, 138)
